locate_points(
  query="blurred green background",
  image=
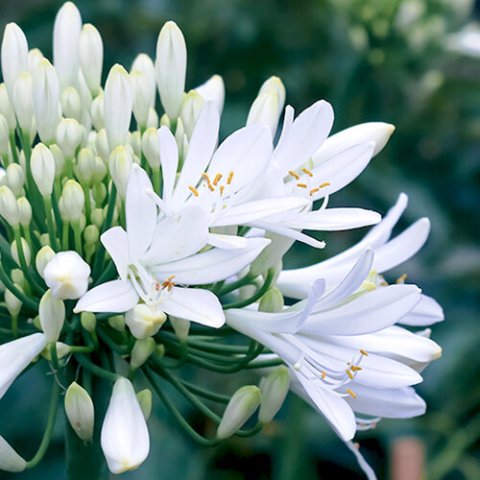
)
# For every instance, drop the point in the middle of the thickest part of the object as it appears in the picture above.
(386, 60)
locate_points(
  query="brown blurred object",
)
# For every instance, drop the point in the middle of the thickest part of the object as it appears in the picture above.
(407, 459)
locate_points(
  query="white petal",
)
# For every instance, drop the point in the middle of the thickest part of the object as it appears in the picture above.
(169, 161)
(200, 151)
(227, 242)
(213, 265)
(195, 305)
(256, 210)
(389, 403)
(115, 296)
(304, 137)
(426, 312)
(141, 213)
(333, 219)
(10, 460)
(16, 355)
(370, 312)
(124, 438)
(213, 90)
(178, 236)
(402, 247)
(115, 241)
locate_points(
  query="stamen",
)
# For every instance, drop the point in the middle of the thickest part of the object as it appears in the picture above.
(313, 191)
(209, 183)
(217, 178)
(324, 374)
(324, 184)
(402, 278)
(351, 393)
(193, 190)
(364, 352)
(350, 374)
(168, 284)
(295, 175)
(302, 185)
(356, 368)
(222, 189)
(308, 172)
(230, 178)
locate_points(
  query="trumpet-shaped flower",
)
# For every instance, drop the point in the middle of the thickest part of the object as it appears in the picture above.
(165, 250)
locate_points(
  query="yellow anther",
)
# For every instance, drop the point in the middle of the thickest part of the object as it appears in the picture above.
(324, 184)
(364, 352)
(217, 178)
(230, 178)
(324, 374)
(307, 171)
(222, 189)
(402, 278)
(193, 190)
(351, 393)
(356, 368)
(209, 183)
(350, 374)
(168, 284)
(302, 185)
(295, 175)
(313, 191)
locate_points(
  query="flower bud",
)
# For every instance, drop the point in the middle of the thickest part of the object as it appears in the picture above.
(88, 321)
(4, 140)
(144, 398)
(43, 168)
(117, 322)
(151, 148)
(13, 304)
(91, 57)
(118, 98)
(141, 351)
(14, 55)
(180, 326)
(6, 108)
(66, 38)
(272, 301)
(97, 217)
(44, 255)
(8, 206)
(52, 316)
(99, 174)
(142, 98)
(15, 178)
(69, 136)
(152, 120)
(25, 248)
(18, 277)
(274, 389)
(135, 142)
(171, 65)
(34, 57)
(97, 112)
(240, 408)
(59, 159)
(80, 411)
(143, 63)
(120, 163)
(23, 101)
(24, 211)
(67, 275)
(85, 165)
(72, 201)
(144, 320)
(101, 144)
(61, 349)
(91, 234)
(272, 254)
(10, 460)
(71, 104)
(46, 100)
(213, 90)
(191, 108)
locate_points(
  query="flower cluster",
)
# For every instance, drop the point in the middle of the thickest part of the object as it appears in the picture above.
(134, 243)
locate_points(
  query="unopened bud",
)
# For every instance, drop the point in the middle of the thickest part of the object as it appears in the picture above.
(25, 248)
(150, 147)
(43, 168)
(69, 136)
(4, 133)
(61, 349)
(88, 321)
(171, 65)
(142, 98)
(85, 165)
(91, 234)
(80, 411)
(10, 460)
(152, 120)
(24, 211)
(191, 108)
(240, 408)
(52, 316)
(23, 101)
(91, 56)
(272, 301)
(274, 389)
(101, 144)
(14, 55)
(59, 159)
(8, 206)
(13, 304)
(71, 104)
(144, 320)
(180, 326)
(44, 255)
(117, 322)
(35, 56)
(135, 141)
(97, 112)
(15, 178)
(97, 217)
(99, 174)
(6, 108)
(144, 398)
(213, 90)
(72, 201)
(141, 351)
(120, 163)
(18, 277)
(144, 64)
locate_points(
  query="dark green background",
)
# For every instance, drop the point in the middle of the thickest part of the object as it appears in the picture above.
(354, 54)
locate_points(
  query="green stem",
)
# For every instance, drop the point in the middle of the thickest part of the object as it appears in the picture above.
(95, 369)
(47, 202)
(27, 301)
(13, 146)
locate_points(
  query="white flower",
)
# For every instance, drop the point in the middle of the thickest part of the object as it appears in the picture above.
(213, 90)
(16, 355)
(124, 438)
(67, 275)
(14, 55)
(151, 253)
(343, 343)
(10, 460)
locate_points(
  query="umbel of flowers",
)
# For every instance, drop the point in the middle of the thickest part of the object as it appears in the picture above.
(134, 242)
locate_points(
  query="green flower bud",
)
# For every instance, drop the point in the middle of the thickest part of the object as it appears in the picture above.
(91, 234)
(144, 398)
(80, 411)
(15, 178)
(18, 277)
(44, 255)
(144, 320)
(24, 211)
(274, 389)
(180, 326)
(117, 322)
(272, 301)
(97, 217)
(165, 121)
(240, 408)
(52, 316)
(141, 351)
(88, 321)
(13, 304)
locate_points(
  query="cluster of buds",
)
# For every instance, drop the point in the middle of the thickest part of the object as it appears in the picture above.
(130, 238)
